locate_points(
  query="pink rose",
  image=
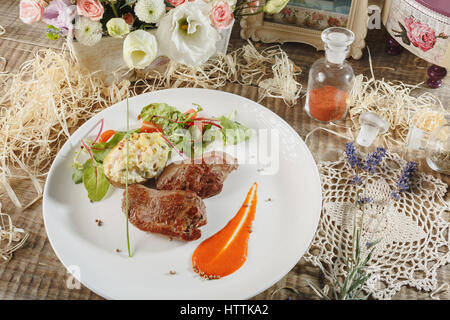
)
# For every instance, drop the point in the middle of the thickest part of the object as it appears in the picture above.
(31, 11)
(176, 3)
(90, 8)
(221, 15)
(420, 35)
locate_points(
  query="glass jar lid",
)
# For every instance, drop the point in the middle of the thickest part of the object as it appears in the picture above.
(337, 43)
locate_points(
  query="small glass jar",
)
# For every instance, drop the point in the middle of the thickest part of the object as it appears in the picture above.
(433, 146)
(331, 78)
(437, 149)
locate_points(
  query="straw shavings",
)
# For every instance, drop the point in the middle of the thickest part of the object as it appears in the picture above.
(270, 69)
(40, 107)
(11, 238)
(393, 101)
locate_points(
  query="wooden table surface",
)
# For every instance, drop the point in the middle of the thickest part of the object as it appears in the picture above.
(36, 273)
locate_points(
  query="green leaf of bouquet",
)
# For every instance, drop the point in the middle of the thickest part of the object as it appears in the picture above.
(53, 32)
(95, 181)
(405, 39)
(129, 2)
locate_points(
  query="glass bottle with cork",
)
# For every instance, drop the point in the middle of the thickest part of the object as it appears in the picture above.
(331, 78)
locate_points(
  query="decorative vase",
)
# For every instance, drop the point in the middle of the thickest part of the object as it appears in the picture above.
(423, 28)
(106, 57)
(222, 44)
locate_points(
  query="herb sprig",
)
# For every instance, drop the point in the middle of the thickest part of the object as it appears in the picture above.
(126, 180)
(356, 266)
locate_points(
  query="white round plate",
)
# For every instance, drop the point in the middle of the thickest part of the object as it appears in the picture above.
(282, 230)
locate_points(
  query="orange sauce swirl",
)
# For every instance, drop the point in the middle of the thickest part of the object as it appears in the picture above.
(226, 251)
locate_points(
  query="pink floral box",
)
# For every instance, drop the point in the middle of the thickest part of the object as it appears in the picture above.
(308, 18)
(421, 30)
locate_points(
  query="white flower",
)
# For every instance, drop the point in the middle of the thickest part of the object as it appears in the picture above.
(139, 49)
(117, 27)
(87, 31)
(150, 11)
(186, 35)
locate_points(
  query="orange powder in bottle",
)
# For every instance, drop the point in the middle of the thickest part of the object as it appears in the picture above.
(327, 103)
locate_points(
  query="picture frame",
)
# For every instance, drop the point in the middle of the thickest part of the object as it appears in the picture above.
(257, 28)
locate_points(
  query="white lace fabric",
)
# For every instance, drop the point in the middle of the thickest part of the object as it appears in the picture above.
(413, 233)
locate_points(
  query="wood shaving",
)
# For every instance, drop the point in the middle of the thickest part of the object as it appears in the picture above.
(11, 238)
(270, 69)
(40, 107)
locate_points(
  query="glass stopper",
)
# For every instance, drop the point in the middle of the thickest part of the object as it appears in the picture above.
(371, 126)
(337, 43)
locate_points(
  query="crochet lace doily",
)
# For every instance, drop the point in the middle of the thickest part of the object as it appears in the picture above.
(414, 237)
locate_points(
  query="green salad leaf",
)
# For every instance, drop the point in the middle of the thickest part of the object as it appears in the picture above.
(77, 172)
(100, 150)
(187, 132)
(175, 125)
(95, 181)
(233, 132)
(167, 117)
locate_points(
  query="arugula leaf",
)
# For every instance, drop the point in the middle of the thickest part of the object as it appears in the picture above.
(164, 115)
(95, 181)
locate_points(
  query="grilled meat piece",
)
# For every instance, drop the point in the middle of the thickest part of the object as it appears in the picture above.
(174, 213)
(205, 176)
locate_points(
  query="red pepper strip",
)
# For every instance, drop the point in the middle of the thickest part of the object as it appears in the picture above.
(91, 155)
(190, 123)
(208, 119)
(100, 132)
(172, 145)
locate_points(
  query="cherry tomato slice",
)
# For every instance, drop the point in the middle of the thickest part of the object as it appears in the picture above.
(105, 136)
(149, 127)
(189, 112)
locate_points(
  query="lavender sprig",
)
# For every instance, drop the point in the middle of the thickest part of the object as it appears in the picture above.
(352, 156)
(356, 265)
(364, 200)
(357, 180)
(374, 159)
(404, 181)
